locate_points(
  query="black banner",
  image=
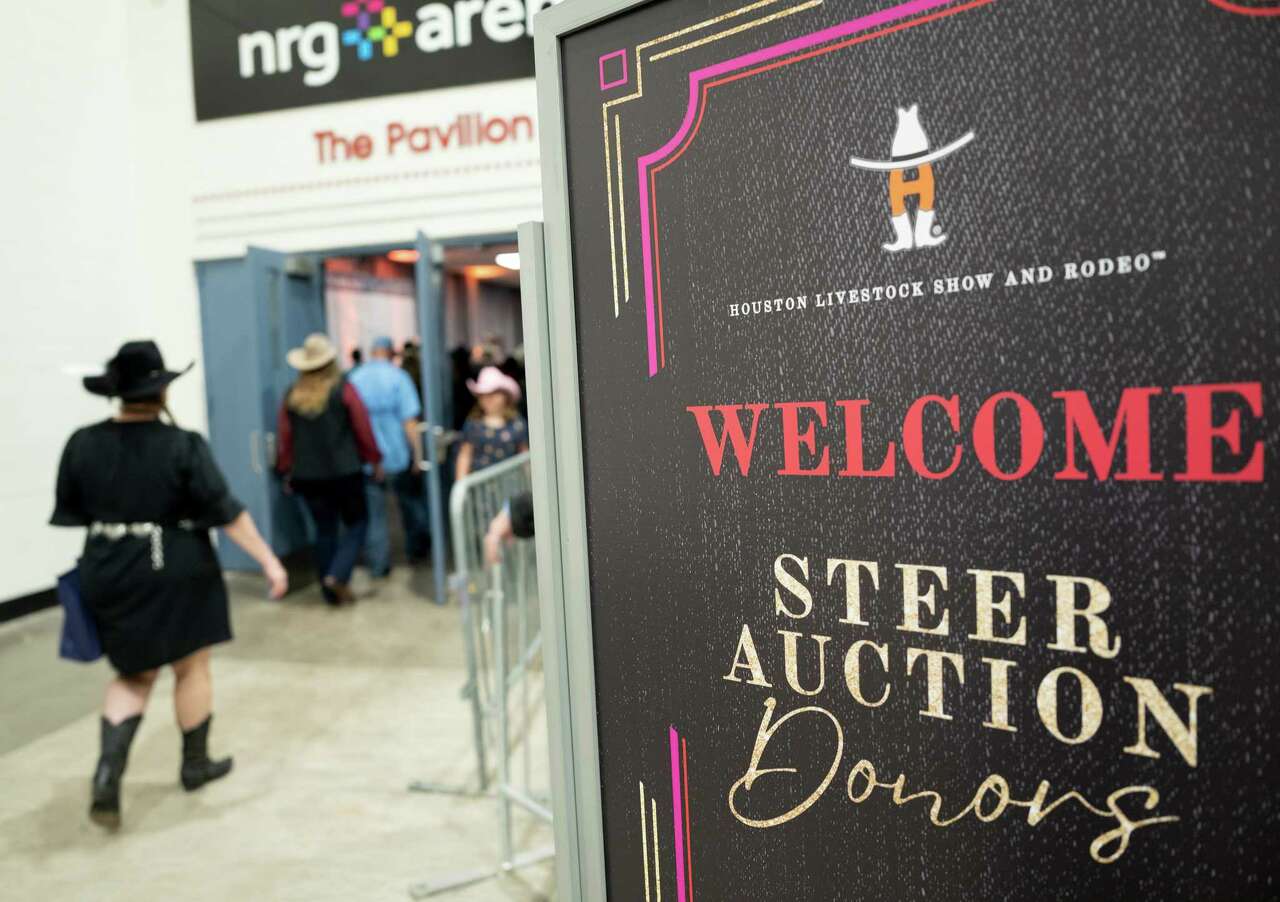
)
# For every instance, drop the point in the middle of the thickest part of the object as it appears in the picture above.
(250, 56)
(929, 364)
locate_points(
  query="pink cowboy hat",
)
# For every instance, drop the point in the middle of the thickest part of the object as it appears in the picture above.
(493, 379)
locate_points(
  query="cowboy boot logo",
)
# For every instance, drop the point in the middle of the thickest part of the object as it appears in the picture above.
(910, 170)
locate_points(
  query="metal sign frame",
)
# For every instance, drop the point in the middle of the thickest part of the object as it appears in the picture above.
(555, 417)
(556, 423)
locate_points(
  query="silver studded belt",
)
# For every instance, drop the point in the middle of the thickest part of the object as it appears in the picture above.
(153, 531)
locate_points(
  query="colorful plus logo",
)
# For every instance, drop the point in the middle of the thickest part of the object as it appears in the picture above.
(389, 30)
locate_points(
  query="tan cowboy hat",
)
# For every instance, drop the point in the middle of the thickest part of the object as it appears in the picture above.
(316, 352)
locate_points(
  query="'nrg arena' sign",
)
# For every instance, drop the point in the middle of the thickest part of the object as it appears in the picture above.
(251, 57)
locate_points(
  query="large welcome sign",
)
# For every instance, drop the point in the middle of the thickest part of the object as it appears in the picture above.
(927, 357)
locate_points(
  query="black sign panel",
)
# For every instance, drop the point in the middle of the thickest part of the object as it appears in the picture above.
(250, 56)
(929, 365)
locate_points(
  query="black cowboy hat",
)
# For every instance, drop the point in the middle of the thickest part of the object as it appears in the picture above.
(137, 371)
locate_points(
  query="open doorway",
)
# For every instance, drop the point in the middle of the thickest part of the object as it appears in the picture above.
(393, 663)
(441, 334)
(448, 307)
(374, 294)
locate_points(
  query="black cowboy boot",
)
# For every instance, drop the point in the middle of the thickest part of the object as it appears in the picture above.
(197, 767)
(104, 809)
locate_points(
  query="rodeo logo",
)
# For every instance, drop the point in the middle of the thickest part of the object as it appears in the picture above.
(910, 151)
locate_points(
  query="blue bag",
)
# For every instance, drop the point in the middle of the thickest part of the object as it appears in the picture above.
(79, 633)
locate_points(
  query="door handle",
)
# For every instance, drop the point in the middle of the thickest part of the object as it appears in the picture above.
(255, 452)
(441, 438)
(271, 450)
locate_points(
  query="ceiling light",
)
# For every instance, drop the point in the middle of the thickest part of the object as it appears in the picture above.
(485, 271)
(510, 260)
(403, 255)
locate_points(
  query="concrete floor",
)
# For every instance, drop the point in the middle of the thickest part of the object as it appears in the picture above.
(330, 714)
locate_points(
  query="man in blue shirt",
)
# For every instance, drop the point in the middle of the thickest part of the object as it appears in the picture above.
(394, 409)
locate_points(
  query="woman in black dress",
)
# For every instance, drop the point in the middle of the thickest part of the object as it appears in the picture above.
(149, 493)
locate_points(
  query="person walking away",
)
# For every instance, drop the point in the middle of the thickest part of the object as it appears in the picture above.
(411, 363)
(394, 409)
(325, 439)
(459, 373)
(513, 366)
(495, 430)
(148, 493)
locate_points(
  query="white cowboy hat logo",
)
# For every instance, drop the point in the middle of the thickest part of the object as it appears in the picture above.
(910, 150)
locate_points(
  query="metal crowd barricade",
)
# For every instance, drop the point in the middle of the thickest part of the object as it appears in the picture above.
(502, 637)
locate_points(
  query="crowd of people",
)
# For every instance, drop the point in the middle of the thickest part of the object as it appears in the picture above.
(149, 493)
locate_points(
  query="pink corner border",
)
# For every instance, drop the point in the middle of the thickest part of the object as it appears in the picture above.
(626, 77)
(677, 812)
(1241, 10)
(696, 79)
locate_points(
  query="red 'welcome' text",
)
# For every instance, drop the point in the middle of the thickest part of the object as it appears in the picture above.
(821, 439)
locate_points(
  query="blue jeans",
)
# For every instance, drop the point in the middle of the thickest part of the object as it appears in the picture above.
(413, 513)
(338, 508)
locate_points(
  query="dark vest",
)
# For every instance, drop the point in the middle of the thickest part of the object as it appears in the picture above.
(324, 445)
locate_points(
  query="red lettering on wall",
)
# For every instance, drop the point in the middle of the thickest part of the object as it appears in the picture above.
(395, 134)
(334, 148)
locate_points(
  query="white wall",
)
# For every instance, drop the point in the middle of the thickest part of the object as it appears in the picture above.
(496, 313)
(258, 179)
(76, 281)
(477, 309)
(360, 309)
(101, 164)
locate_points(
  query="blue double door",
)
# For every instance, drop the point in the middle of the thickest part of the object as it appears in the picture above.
(253, 310)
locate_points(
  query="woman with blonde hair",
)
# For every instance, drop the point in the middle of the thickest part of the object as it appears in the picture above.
(149, 493)
(325, 439)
